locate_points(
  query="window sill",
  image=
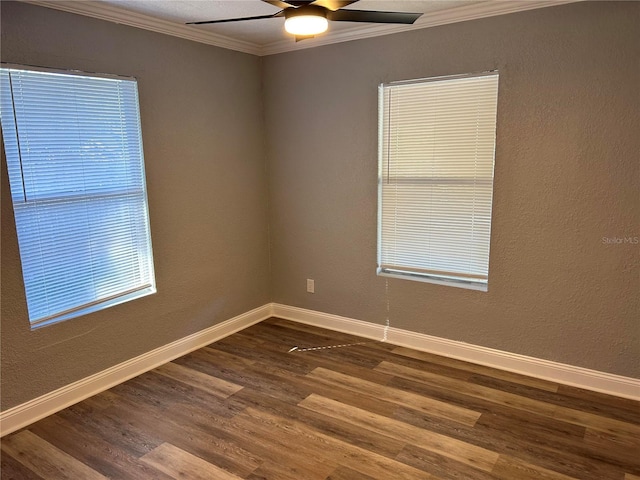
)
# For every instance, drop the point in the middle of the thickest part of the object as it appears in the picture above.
(93, 308)
(437, 280)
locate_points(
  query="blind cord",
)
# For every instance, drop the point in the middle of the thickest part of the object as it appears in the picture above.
(15, 124)
(385, 332)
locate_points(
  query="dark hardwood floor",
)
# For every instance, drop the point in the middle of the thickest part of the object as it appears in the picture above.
(245, 408)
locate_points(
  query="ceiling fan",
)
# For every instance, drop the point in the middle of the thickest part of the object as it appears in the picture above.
(305, 19)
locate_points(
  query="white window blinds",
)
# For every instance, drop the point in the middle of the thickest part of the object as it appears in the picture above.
(436, 155)
(74, 156)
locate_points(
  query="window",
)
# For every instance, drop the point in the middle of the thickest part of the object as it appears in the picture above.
(74, 156)
(436, 155)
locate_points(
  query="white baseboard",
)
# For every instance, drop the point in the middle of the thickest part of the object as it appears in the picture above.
(24, 414)
(533, 367)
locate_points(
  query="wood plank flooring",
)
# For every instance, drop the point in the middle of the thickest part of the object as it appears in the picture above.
(244, 408)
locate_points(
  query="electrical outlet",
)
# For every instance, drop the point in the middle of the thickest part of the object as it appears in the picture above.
(311, 286)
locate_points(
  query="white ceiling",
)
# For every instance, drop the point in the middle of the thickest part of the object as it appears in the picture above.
(267, 36)
(262, 32)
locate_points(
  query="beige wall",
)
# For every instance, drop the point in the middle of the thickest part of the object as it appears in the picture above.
(567, 175)
(202, 127)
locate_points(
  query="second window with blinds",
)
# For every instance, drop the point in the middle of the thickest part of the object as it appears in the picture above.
(435, 179)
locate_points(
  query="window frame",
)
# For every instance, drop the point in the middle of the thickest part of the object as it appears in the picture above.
(455, 279)
(147, 287)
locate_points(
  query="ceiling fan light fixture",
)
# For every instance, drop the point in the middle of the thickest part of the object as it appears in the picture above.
(306, 21)
(308, 18)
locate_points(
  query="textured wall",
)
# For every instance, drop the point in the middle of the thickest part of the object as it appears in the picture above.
(567, 175)
(202, 127)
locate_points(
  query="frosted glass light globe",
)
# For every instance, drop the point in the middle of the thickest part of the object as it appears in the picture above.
(306, 24)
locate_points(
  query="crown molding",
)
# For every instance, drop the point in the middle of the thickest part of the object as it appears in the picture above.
(125, 17)
(489, 8)
(110, 13)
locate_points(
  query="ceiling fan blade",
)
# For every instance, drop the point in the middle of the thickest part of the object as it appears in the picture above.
(279, 4)
(288, 3)
(371, 16)
(227, 20)
(333, 5)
